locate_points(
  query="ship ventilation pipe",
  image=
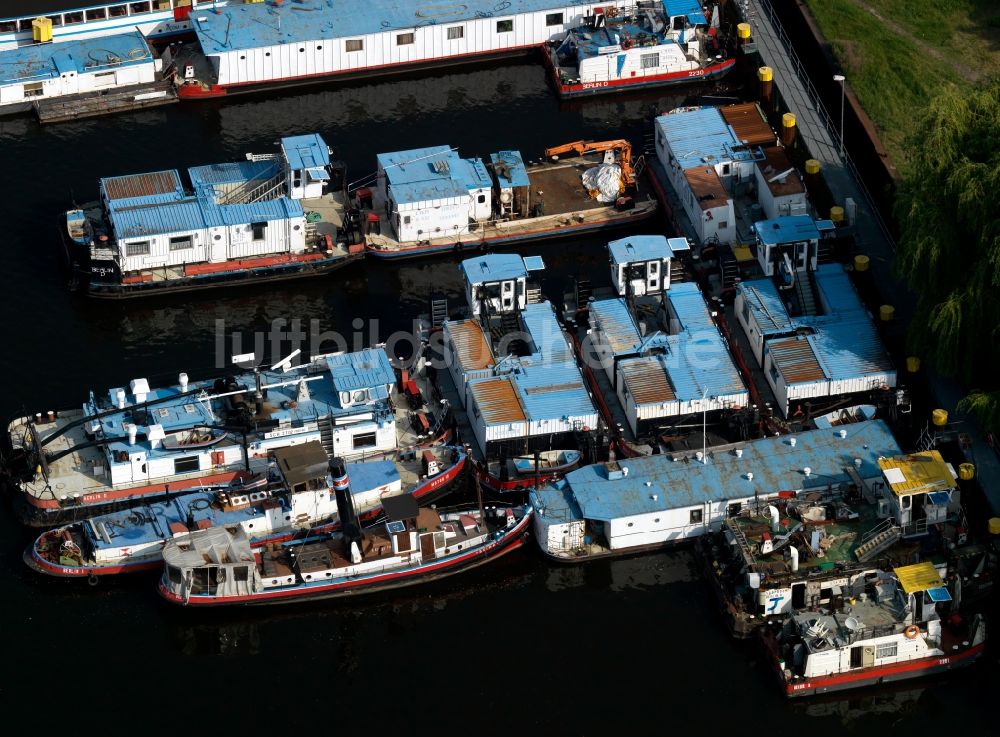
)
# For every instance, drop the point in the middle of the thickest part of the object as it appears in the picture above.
(791, 442)
(794, 553)
(345, 504)
(258, 401)
(120, 396)
(183, 381)
(773, 511)
(133, 431)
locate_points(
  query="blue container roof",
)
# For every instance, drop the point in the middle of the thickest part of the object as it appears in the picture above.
(639, 248)
(690, 307)
(553, 391)
(37, 62)
(254, 25)
(231, 172)
(493, 267)
(776, 466)
(413, 177)
(690, 8)
(415, 164)
(786, 229)
(196, 213)
(837, 290)
(515, 175)
(698, 137)
(850, 348)
(305, 152)
(550, 344)
(365, 369)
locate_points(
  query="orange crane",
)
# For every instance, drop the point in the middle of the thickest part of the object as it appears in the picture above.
(621, 146)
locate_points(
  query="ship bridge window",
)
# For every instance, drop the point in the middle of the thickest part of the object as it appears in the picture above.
(482, 199)
(116, 11)
(96, 14)
(554, 19)
(404, 39)
(505, 26)
(354, 44)
(258, 230)
(138, 7)
(456, 32)
(241, 573)
(650, 61)
(75, 17)
(174, 574)
(679, 23)
(137, 248)
(186, 465)
(181, 243)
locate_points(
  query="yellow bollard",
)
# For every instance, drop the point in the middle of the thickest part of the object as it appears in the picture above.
(886, 312)
(861, 262)
(912, 364)
(939, 417)
(966, 471)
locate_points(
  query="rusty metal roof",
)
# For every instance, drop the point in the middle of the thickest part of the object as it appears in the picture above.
(470, 344)
(795, 359)
(497, 400)
(707, 187)
(749, 123)
(142, 185)
(776, 162)
(646, 381)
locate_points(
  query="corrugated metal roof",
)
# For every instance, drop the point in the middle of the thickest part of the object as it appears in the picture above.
(706, 187)
(36, 62)
(553, 391)
(698, 364)
(850, 348)
(231, 172)
(776, 162)
(786, 229)
(265, 24)
(174, 217)
(698, 137)
(837, 291)
(766, 305)
(547, 337)
(361, 369)
(690, 308)
(775, 464)
(497, 400)
(795, 360)
(432, 173)
(917, 472)
(918, 577)
(470, 344)
(493, 267)
(143, 189)
(691, 9)
(639, 248)
(509, 168)
(646, 380)
(305, 152)
(749, 123)
(616, 322)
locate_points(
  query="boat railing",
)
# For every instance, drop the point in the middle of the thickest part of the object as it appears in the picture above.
(747, 8)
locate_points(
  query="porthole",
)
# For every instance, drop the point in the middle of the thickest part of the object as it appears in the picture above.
(297, 227)
(301, 50)
(629, 524)
(218, 237)
(288, 517)
(243, 57)
(319, 47)
(267, 53)
(657, 520)
(329, 574)
(250, 526)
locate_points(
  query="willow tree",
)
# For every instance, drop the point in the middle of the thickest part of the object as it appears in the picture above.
(949, 252)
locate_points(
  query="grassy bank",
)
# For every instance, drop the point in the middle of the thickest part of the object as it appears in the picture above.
(898, 54)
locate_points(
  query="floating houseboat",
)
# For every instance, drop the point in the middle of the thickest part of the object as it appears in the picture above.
(651, 44)
(431, 200)
(139, 443)
(656, 346)
(295, 501)
(413, 545)
(513, 367)
(272, 217)
(792, 554)
(884, 627)
(639, 504)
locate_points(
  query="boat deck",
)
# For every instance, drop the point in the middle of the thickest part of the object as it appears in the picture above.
(567, 206)
(107, 102)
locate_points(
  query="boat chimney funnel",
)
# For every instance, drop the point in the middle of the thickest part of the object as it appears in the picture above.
(133, 431)
(183, 381)
(349, 524)
(773, 511)
(794, 553)
(120, 396)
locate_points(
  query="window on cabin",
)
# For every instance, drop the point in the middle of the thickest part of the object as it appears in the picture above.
(139, 7)
(650, 61)
(181, 243)
(456, 32)
(137, 248)
(723, 224)
(354, 44)
(174, 574)
(734, 509)
(34, 89)
(554, 19)
(404, 39)
(259, 229)
(886, 650)
(186, 465)
(695, 517)
(482, 199)
(505, 26)
(746, 311)
(364, 440)
(775, 374)
(241, 573)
